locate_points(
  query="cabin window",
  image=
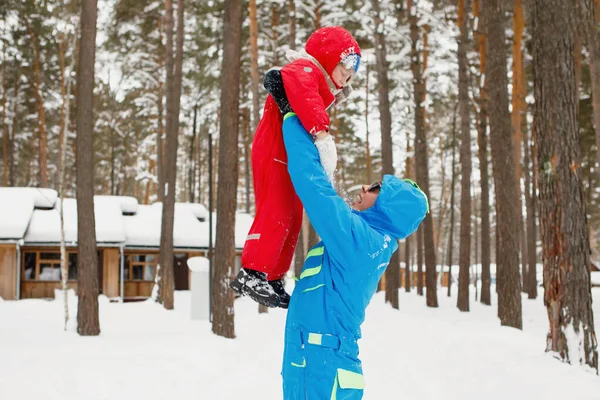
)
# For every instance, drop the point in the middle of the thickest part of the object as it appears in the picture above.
(72, 267)
(45, 265)
(29, 266)
(140, 267)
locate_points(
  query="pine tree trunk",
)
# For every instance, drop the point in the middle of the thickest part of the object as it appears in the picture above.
(4, 124)
(591, 18)
(452, 202)
(367, 143)
(247, 142)
(313, 238)
(192, 158)
(65, 86)
(292, 22)
(299, 252)
(481, 37)
(13, 130)
(421, 156)
(254, 63)
(420, 261)
(37, 83)
(408, 266)
(531, 228)
(227, 190)
(516, 118)
(275, 32)
(565, 241)
(88, 323)
(387, 161)
(507, 251)
(465, 159)
(173, 80)
(160, 147)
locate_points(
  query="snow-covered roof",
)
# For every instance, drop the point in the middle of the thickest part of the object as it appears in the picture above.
(190, 226)
(127, 204)
(45, 224)
(119, 220)
(17, 206)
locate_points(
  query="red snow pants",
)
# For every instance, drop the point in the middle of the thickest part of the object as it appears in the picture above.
(274, 234)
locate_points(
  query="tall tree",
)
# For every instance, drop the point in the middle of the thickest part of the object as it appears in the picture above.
(465, 159)
(88, 323)
(228, 172)
(530, 195)
(299, 251)
(408, 240)
(166, 286)
(590, 14)
(421, 156)
(292, 22)
(4, 124)
(452, 202)
(507, 251)
(481, 37)
(37, 83)
(393, 271)
(65, 113)
(419, 234)
(254, 63)
(518, 101)
(565, 241)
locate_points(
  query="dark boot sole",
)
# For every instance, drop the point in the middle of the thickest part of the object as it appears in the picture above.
(243, 290)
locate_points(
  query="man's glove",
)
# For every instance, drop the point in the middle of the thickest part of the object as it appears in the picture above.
(274, 84)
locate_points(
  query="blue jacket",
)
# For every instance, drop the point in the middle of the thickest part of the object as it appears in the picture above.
(341, 273)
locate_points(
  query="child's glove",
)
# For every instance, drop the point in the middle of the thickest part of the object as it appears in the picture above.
(328, 154)
(274, 84)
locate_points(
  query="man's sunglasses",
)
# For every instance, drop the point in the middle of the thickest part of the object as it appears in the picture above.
(374, 187)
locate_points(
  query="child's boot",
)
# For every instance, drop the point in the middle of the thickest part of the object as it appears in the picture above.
(284, 297)
(254, 284)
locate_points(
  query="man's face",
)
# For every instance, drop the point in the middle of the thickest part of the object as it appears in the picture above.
(367, 196)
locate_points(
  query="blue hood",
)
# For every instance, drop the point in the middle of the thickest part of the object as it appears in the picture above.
(399, 208)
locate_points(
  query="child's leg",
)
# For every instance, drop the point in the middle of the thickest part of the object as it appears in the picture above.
(289, 246)
(273, 190)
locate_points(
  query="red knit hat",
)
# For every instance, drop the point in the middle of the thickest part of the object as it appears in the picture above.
(332, 45)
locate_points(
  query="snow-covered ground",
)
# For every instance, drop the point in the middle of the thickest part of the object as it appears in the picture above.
(147, 353)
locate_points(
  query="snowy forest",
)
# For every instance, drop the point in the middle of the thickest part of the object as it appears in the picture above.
(491, 106)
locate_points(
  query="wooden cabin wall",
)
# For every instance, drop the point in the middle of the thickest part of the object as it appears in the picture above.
(8, 272)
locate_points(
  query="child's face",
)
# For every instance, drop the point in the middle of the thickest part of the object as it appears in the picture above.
(341, 75)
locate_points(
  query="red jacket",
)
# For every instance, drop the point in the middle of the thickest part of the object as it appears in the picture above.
(307, 81)
(274, 233)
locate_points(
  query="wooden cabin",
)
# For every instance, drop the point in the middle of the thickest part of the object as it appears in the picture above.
(127, 235)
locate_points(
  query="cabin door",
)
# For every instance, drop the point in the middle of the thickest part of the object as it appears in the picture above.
(181, 271)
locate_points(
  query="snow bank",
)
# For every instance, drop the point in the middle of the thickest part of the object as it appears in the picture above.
(470, 355)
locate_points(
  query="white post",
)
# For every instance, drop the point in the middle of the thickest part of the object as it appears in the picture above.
(200, 295)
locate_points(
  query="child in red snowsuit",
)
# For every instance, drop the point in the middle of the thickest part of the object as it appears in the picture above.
(315, 79)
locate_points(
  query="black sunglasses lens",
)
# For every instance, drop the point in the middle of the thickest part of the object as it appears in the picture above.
(375, 186)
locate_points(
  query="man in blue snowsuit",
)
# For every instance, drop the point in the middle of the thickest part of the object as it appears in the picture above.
(341, 273)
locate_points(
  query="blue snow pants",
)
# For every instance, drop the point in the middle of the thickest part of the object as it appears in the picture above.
(321, 367)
